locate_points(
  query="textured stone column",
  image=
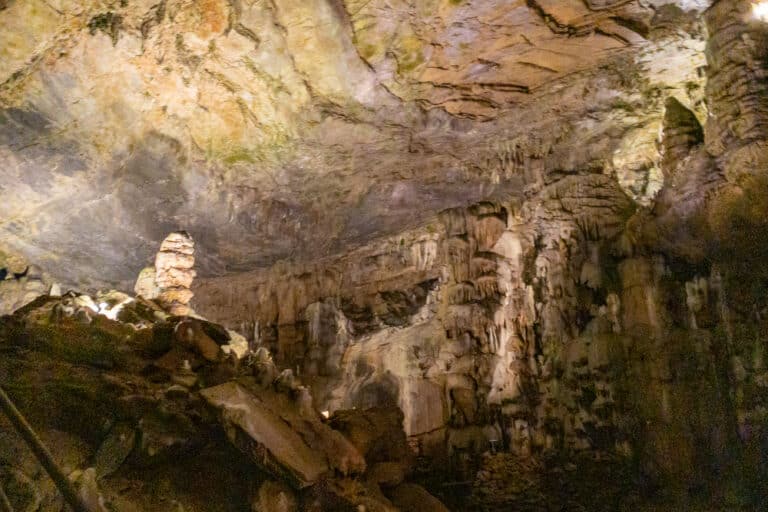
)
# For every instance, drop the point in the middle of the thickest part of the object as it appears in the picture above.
(737, 88)
(174, 272)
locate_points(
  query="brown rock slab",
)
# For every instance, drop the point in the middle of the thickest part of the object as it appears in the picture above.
(269, 428)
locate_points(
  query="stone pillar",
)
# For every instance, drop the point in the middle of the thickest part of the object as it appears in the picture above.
(737, 88)
(174, 272)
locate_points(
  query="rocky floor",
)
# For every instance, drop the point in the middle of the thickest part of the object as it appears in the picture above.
(144, 411)
(141, 410)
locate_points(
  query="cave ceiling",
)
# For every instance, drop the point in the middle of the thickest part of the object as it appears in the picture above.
(276, 129)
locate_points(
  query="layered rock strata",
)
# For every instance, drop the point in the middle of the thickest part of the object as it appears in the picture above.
(174, 272)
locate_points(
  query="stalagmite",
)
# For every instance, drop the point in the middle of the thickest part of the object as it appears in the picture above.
(174, 272)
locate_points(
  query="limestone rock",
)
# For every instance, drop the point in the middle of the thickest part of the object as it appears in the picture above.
(146, 285)
(164, 434)
(447, 103)
(266, 427)
(114, 450)
(534, 228)
(387, 474)
(377, 433)
(237, 345)
(20, 288)
(681, 133)
(55, 290)
(191, 334)
(734, 51)
(88, 489)
(174, 273)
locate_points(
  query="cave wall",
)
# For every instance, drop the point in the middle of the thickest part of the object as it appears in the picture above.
(534, 323)
(568, 318)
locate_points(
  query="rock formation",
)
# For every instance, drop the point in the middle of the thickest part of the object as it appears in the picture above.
(173, 274)
(132, 403)
(483, 255)
(20, 288)
(304, 129)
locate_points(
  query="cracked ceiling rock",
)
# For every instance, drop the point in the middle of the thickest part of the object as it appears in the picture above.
(248, 122)
(435, 53)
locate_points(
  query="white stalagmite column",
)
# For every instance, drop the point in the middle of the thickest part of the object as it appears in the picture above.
(174, 272)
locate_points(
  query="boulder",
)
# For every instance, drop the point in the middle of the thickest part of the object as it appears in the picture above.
(269, 428)
(193, 334)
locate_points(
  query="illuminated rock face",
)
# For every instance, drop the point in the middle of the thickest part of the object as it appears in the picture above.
(174, 272)
(305, 128)
(539, 327)
(566, 318)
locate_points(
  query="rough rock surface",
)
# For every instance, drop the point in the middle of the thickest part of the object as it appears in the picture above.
(143, 419)
(585, 314)
(20, 288)
(174, 272)
(537, 229)
(300, 445)
(272, 130)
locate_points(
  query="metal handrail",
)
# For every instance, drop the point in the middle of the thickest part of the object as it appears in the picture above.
(43, 455)
(5, 503)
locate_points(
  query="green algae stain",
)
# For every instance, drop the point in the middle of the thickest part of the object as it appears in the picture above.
(240, 156)
(368, 51)
(409, 54)
(275, 147)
